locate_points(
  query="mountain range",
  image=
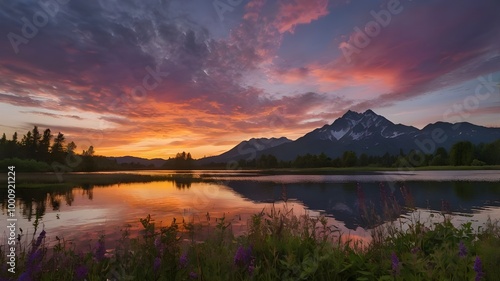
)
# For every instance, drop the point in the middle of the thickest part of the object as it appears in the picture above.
(365, 132)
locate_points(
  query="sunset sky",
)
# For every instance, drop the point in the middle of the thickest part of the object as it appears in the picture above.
(153, 78)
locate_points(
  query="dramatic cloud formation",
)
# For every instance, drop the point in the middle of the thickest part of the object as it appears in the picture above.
(151, 78)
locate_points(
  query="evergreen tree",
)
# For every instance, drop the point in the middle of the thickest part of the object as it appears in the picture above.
(43, 149)
(26, 144)
(90, 152)
(70, 149)
(13, 147)
(3, 146)
(462, 153)
(36, 141)
(57, 149)
(349, 158)
(89, 164)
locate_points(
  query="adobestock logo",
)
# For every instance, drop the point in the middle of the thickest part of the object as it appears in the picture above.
(29, 29)
(363, 37)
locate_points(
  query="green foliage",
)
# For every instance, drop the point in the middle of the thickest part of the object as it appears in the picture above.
(267, 161)
(462, 153)
(279, 245)
(476, 162)
(490, 153)
(26, 165)
(349, 159)
(40, 151)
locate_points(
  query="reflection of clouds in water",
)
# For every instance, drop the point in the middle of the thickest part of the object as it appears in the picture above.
(428, 217)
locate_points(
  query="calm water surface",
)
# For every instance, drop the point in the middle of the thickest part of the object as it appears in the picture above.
(81, 214)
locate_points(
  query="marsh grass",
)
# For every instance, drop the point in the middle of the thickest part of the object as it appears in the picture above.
(279, 244)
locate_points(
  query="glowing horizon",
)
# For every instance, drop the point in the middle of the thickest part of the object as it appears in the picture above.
(150, 79)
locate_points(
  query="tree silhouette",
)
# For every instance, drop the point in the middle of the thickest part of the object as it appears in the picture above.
(57, 149)
(43, 150)
(70, 149)
(89, 152)
(182, 161)
(88, 159)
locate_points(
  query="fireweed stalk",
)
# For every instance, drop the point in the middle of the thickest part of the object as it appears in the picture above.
(277, 245)
(478, 268)
(33, 262)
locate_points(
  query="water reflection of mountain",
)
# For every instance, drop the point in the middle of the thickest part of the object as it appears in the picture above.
(347, 202)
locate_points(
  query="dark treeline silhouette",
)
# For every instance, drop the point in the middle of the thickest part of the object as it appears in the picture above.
(40, 148)
(40, 151)
(43, 151)
(461, 154)
(182, 161)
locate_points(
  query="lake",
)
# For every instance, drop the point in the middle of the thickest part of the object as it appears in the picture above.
(353, 203)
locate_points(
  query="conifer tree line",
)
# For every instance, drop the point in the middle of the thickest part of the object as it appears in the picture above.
(40, 146)
(462, 153)
(49, 148)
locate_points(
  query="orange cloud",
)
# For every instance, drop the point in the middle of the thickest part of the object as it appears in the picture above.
(293, 13)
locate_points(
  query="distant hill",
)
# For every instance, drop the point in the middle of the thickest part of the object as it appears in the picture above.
(245, 150)
(156, 162)
(365, 132)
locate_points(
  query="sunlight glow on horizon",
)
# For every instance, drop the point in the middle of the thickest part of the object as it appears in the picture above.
(154, 84)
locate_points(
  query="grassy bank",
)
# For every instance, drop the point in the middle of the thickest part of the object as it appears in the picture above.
(279, 245)
(38, 180)
(374, 170)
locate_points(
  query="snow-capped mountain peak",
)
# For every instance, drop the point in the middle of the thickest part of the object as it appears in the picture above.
(364, 133)
(356, 126)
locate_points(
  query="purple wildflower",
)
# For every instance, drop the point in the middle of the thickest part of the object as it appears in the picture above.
(395, 264)
(26, 276)
(33, 258)
(462, 250)
(183, 260)
(81, 272)
(251, 267)
(32, 264)
(100, 251)
(156, 264)
(39, 240)
(157, 242)
(478, 268)
(243, 256)
(193, 275)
